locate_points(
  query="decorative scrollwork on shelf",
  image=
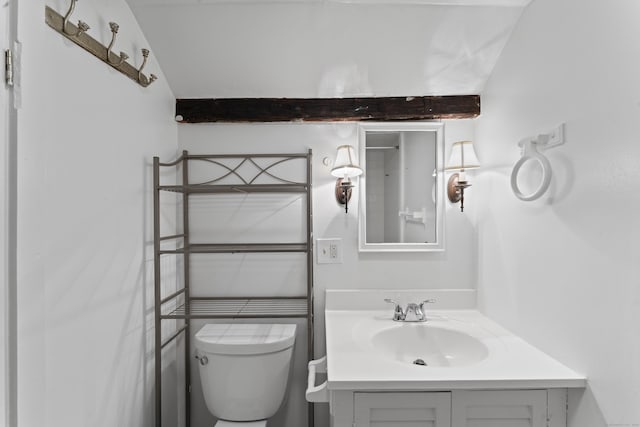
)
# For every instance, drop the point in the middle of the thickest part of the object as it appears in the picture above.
(228, 171)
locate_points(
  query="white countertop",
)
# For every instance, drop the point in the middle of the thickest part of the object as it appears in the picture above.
(354, 364)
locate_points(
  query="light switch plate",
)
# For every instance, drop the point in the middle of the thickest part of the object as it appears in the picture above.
(329, 251)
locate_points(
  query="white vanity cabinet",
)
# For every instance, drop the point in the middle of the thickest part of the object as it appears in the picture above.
(456, 408)
(405, 409)
(509, 408)
(474, 373)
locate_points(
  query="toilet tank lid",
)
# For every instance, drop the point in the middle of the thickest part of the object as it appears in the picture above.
(245, 338)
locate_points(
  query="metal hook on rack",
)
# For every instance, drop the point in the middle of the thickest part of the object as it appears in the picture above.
(67, 16)
(144, 81)
(83, 27)
(123, 56)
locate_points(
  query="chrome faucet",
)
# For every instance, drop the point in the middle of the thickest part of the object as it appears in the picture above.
(413, 313)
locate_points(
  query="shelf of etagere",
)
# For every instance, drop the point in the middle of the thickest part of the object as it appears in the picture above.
(257, 307)
(235, 189)
(232, 248)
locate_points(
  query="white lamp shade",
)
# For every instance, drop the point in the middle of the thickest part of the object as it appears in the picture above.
(462, 157)
(346, 164)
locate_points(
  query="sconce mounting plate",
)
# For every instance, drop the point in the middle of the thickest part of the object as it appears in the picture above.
(453, 190)
(342, 196)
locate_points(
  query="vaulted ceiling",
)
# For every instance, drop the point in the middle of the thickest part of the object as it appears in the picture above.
(326, 48)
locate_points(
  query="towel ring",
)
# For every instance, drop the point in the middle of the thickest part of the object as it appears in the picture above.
(531, 153)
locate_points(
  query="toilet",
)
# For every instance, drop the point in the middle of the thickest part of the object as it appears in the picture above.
(244, 370)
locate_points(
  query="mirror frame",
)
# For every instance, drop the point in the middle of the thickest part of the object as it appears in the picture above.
(436, 127)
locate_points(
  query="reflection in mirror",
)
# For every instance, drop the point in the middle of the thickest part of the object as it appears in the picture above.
(401, 206)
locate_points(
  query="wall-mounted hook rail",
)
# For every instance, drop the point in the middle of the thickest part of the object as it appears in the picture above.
(78, 35)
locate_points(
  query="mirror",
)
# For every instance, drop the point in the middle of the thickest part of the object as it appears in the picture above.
(401, 191)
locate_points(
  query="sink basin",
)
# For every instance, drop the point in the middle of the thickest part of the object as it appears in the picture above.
(427, 345)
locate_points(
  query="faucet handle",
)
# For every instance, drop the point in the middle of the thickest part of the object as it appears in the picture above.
(423, 312)
(398, 314)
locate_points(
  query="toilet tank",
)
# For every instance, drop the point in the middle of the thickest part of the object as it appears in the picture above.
(244, 368)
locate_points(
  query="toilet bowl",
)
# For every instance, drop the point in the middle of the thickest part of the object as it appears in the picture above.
(244, 370)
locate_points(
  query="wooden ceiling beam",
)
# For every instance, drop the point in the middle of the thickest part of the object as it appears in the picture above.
(247, 110)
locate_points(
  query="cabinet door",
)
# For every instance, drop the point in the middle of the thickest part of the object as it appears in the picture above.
(402, 409)
(513, 408)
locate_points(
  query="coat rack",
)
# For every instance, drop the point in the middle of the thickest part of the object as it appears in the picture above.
(78, 35)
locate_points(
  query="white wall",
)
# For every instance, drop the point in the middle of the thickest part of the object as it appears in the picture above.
(84, 253)
(454, 268)
(563, 271)
(324, 49)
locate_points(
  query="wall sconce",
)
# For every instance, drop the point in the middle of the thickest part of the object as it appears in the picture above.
(344, 168)
(463, 157)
